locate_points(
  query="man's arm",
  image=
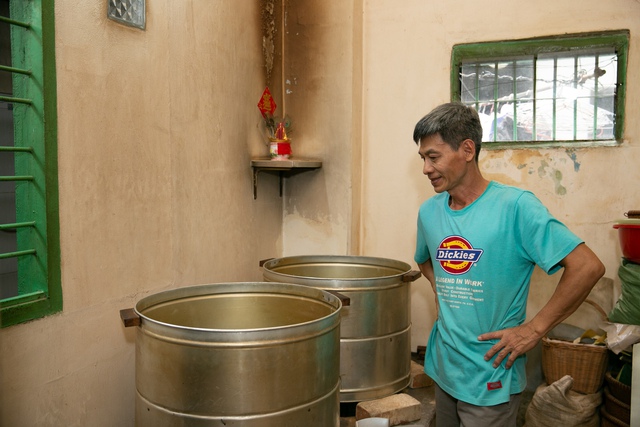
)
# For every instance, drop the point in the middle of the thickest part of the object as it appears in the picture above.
(582, 270)
(426, 268)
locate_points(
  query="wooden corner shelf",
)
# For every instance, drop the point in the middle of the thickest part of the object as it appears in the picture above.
(282, 168)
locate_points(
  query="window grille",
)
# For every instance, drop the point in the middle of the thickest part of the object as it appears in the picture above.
(29, 229)
(561, 89)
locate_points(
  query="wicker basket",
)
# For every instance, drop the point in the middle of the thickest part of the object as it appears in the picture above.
(610, 421)
(586, 363)
(619, 390)
(616, 408)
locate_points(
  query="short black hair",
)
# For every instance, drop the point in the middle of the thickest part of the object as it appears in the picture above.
(454, 122)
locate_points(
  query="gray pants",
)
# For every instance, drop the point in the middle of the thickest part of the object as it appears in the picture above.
(451, 412)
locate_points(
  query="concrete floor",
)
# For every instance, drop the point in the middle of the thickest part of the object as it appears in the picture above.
(427, 399)
(426, 396)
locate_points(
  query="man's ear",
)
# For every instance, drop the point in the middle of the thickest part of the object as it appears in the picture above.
(469, 149)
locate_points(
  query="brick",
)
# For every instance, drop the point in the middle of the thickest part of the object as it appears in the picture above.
(398, 409)
(418, 378)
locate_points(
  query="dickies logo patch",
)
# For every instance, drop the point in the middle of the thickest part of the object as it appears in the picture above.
(456, 255)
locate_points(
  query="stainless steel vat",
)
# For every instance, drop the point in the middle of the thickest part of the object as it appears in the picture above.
(237, 354)
(375, 342)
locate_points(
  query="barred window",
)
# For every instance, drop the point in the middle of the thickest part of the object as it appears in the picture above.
(29, 226)
(565, 89)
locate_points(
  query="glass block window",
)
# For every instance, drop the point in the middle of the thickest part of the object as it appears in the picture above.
(559, 89)
(128, 12)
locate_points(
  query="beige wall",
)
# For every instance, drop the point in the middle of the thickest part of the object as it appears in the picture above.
(157, 128)
(323, 82)
(156, 132)
(407, 65)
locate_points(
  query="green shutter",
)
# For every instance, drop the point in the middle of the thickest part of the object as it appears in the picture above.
(35, 154)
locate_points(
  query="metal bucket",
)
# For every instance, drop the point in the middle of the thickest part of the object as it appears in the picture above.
(375, 330)
(237, 354)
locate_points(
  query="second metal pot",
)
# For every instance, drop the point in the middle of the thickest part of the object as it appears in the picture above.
(375, 330)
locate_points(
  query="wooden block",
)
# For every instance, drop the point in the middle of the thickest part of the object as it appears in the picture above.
(348, 422)
(398, 409)
(418, 378)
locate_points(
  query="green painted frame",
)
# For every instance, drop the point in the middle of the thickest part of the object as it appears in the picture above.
(35, 127)
(618, 39)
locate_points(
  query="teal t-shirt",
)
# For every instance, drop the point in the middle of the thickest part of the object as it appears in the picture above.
(483, 257)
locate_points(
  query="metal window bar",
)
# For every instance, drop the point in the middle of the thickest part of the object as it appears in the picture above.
(554, 124)
(575, 98)
(596, 100)
(14, 22)
(534, 100)
(15, 225)
(12, 99)
(15, 70)
(515, 100)
(477, 91)
(17, 253)
(16, 178)
(16, 149)
(495, 101)
(24, 298)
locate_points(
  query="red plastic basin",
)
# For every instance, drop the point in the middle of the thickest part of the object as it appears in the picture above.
(629, 236)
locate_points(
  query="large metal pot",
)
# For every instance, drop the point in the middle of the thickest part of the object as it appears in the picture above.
(237, 354)
(375, 330)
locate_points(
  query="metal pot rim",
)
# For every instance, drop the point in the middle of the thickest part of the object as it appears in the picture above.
(402, 276)
(286, 289)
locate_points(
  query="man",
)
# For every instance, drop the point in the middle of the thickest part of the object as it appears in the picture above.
(477, 243)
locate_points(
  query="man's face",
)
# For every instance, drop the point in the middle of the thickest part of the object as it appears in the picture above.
(444, 167)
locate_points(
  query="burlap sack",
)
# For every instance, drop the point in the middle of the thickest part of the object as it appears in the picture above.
(557, 405)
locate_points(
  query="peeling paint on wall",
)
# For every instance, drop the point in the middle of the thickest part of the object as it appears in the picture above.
(572, 155)
(557, 178)
(513, 166)
(544, 170)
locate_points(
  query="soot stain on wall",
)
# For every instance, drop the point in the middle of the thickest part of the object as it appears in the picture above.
(269, 19)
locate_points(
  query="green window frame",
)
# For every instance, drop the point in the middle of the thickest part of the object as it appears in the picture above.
(546, 91)
(34, 152)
